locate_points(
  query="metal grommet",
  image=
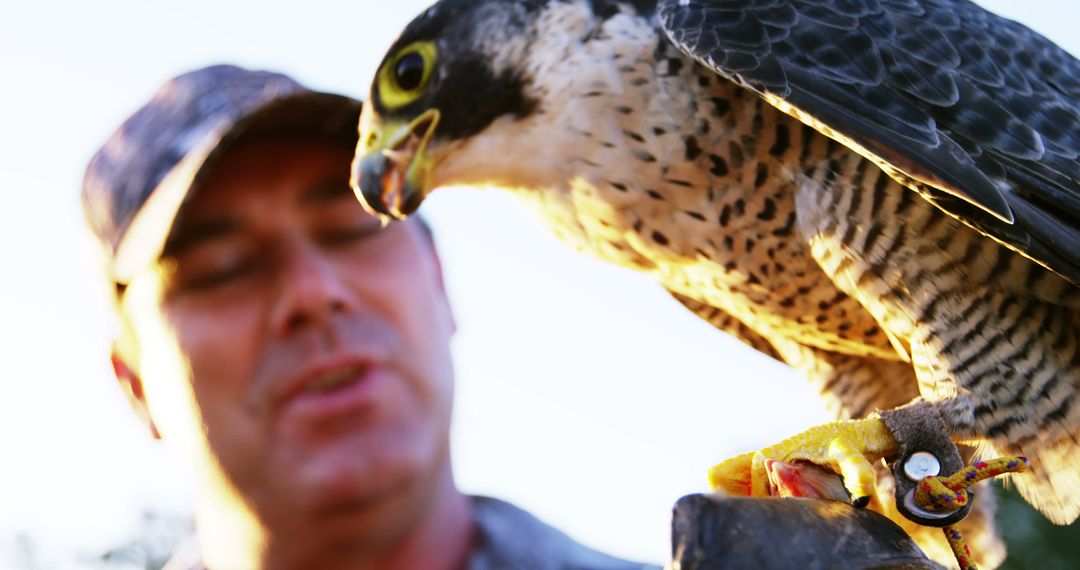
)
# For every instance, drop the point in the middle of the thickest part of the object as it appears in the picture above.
(921, 465)
(914, 512)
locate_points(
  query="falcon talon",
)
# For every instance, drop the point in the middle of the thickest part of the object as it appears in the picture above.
(830, 461)
(860, 502)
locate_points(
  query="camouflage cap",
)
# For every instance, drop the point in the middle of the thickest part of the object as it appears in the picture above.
(140, 178)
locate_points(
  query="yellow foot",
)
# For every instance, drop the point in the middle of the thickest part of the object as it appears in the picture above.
(845, 448)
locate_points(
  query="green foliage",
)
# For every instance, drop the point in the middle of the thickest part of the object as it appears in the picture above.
(1033, 541)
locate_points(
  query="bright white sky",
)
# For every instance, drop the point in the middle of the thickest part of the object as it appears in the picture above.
(584, 393)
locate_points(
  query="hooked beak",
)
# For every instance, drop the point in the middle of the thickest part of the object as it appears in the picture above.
(391, 174)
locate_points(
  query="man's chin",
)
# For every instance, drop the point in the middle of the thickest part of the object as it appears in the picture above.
(355, 473)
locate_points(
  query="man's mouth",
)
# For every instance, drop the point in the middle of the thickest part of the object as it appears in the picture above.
(335, 379)
(331, 391)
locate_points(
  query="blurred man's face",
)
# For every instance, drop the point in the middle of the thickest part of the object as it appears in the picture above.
(297, 350)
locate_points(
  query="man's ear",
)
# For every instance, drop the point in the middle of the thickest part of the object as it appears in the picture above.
(131, 384)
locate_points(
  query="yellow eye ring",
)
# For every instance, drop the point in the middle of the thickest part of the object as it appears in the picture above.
(403, 78)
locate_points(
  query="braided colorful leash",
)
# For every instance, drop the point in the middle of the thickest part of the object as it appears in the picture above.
(950, 493)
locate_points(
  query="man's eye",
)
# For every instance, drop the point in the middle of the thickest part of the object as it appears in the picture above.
(219, 276)
(349, 234)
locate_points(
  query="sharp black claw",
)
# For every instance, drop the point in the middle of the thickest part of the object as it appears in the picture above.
(860, 502)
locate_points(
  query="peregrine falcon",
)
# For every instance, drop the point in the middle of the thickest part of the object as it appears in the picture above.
(883, 194)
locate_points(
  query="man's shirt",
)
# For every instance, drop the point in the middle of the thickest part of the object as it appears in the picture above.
(507, 538)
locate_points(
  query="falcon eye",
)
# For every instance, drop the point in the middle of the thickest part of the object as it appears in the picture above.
(409, 71)
(404, 76)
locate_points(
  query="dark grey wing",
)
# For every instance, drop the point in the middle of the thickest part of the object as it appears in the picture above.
(728, 324)
(979, 114)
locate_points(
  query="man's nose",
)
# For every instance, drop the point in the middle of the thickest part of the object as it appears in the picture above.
(312, 289)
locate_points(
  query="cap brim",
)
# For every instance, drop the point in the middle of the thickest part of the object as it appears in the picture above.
(306, 114)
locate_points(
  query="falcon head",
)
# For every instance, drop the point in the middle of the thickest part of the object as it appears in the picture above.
(458, 97)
